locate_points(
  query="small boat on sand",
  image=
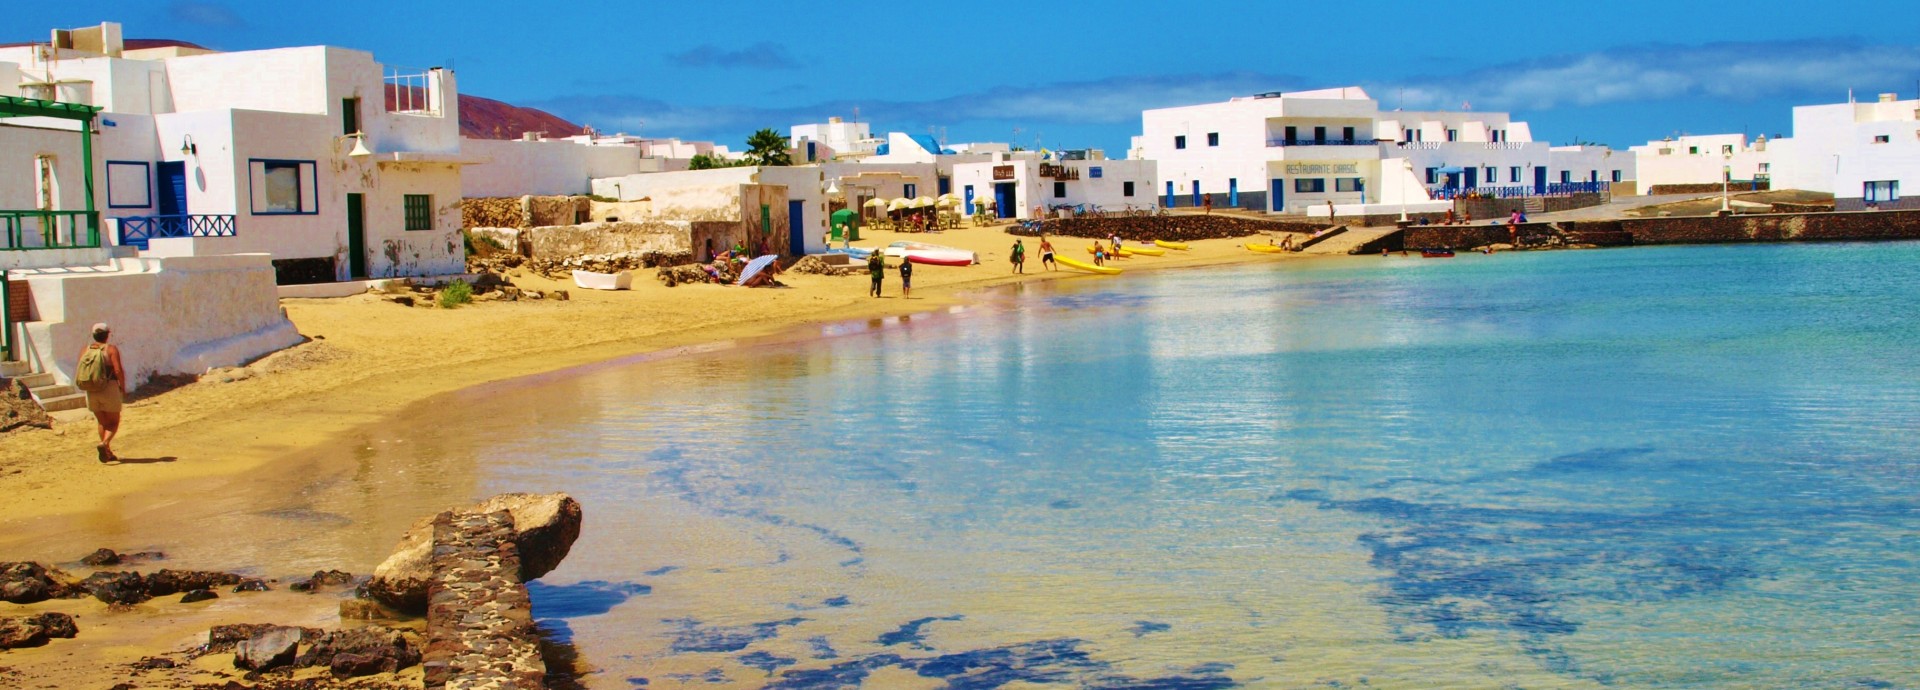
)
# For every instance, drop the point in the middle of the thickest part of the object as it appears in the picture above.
(603, 281)
(1176, 246)
(1265, 248)
(1090, 268)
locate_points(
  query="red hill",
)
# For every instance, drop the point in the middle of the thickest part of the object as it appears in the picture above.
(485, 118)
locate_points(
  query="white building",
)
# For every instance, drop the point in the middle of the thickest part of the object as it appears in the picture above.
(1865, 154)
(337, 166)
(843, 139)
(1702, 159)
(800, 223)
(534, 165)
(1286, 152)
(1017, 183)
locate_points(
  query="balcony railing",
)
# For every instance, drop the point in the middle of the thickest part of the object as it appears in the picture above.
(136, 231)
(1517, 191)
(1320, 142)
(28, 230)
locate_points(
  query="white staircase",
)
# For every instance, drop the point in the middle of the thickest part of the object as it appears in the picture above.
(1534, 205)
(53, 396)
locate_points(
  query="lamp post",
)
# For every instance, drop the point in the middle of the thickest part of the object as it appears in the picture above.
(1726, 182)
(1407, 165)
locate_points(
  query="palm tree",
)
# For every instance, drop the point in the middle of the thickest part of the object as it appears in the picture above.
(768, 147)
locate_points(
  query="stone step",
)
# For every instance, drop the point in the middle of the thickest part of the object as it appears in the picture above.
(72, 401)
(53, 391)
(14, 370)
(37, 380)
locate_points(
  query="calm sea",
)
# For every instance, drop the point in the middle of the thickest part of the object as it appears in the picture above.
(1648, 468)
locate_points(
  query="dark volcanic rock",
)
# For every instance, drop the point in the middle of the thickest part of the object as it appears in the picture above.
(322, 579)
(544, 528)
(168, 582)
(27, 583)
(251, 585)
(356, 665)
(198, 595)
(33, 631)
(224, 637)
(267, 649)
(154, 662)
(101, 558)
(116, 587)
(372, 641)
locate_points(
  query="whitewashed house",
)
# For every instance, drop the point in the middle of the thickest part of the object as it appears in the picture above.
(1866, 154)
(1294, 151)
(335, 165)
(1016, 183)
(790, 211)
(1703, 159)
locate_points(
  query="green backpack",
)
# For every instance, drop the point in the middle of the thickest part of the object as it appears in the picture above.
(95, 372)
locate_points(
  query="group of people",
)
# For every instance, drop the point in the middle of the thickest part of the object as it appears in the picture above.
(877, 267)
(1018, 255)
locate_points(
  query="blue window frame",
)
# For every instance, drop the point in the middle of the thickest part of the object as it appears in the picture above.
(1433, 175)
(1093, 172)
(1180, 142)
(1513, 174)
(909, 190)
(129, 184)
(1309, 185)
(1213, 138)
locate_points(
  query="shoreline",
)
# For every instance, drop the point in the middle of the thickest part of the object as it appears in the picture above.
(255, 431)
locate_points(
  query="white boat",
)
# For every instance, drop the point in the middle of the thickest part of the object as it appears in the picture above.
(603, 281)
(921, 252)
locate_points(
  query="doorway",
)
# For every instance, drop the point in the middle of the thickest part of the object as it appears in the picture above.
(1540, 180)
(1278, 200)
(1003, 196)
(796, 228)
(171, 197)
(356, 236)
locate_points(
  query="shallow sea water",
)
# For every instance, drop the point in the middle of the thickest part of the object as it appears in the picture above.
(1650, 468)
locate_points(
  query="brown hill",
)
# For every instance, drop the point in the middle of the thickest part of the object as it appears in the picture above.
(485, 118)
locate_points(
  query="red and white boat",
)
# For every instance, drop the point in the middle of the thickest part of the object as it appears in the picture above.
(932, 254)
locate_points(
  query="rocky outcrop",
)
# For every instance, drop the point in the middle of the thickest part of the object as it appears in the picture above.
(105, 558)
(480, 629)
(124, 589)
(544, 527)
(28, 582)
(267, 649)
(323, 579)
(34, 631)
(223, 638)
(361, 652)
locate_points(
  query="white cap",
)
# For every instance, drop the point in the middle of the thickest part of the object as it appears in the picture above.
(101, 328)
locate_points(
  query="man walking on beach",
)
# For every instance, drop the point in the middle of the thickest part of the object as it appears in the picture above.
(906, 278)
(877, 265)
(1046, 254)
(105, 381)
(1019, 256)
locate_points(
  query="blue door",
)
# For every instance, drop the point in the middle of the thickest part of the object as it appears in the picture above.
(171, 178)
(1003, 198)
(796, 228)
(946, 186)
(1170, 199)
(1196, 192)
(1472, 176)
(1233, 191)
(967, 208)
(1277, 201)
(1540, 180)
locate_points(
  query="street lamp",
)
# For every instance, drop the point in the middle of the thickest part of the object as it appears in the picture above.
(1726, 182)
(1405, 164)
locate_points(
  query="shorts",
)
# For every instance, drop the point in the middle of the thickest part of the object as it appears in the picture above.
(1047, 256)
(906, 283)
(109, 400)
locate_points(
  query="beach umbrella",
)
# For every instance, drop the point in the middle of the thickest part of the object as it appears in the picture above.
(948, 199)
(876, 203)
(754, 267)
(898, 204)
(923, 202)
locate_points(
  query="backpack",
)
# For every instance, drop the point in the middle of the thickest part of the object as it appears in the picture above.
(95, 373)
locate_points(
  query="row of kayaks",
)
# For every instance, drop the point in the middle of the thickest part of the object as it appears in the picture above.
(939, 255)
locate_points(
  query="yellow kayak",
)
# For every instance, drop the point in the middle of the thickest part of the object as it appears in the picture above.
(1265, 248)
(1180, 246)
(1122, 255)
(1090, 268)
(1143, 251)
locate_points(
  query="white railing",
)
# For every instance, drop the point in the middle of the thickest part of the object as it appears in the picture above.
(412, 92)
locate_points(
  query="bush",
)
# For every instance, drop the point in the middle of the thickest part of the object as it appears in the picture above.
(455, 294)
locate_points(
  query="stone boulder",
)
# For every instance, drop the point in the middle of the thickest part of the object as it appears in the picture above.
(545, 526)
(33, 631)
(322, 579)
(120, 588)
(267, 649)
(28, 582)
(167, 582)
(350, 653)
(222, 638)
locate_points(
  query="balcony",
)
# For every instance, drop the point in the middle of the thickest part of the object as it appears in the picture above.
(1320, 142)
(27, 230)
(137, 231)
(1517, 191)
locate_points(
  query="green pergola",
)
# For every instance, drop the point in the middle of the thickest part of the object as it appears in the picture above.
(13, 222)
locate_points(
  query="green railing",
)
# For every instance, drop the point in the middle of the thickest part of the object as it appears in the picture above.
(25, 230)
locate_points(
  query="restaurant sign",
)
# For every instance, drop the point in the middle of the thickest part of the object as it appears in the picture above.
(1323, 168)
(1003, 172)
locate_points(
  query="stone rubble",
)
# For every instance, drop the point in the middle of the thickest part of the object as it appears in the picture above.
(480, 631)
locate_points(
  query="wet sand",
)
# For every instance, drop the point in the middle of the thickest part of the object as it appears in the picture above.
(223, 475)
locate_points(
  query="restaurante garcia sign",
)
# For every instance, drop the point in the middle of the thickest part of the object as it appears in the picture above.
(1323, 168)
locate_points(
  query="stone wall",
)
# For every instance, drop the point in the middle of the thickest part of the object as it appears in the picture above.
(1802, 227)
(1499, 209)
(1709, 187)
(524, 211)
(560, 241)
(1172, 228)
(558, 210)
(480, 630)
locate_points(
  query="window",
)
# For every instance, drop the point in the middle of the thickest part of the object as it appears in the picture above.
(349, 116)
(1497, 135)
(1310, 185)
(1726, 149)
(1616, 176)
(129, 184)
(1180, 142)
(1593, 176)
(1887, 190)
(283, 187)
(1213, 138)
(1093, 172)
(1059, 190)
(1350, 184)
(1346, 134)
(1126, 188)
(419, 208)
(1492, 175)
(1513, 174)
(908, 190)
(1319, 135)
(1566, 176)
(1293, 134)
(1693, 150)
(1881, 138)
(1433, 175)
(1453, 135)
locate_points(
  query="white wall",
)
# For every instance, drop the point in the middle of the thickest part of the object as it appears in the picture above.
(519, 168)
(169, 316)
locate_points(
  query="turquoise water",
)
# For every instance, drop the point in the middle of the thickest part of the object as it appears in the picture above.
(1658, 467)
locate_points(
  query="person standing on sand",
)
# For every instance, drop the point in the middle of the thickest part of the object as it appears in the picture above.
(1046, 254)
(105, 381)
(1208, 199)
(1330, 220)
(906, 278)
(1019, 256)
(877, 265)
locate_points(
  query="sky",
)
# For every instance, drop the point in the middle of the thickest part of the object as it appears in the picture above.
(1077, 74)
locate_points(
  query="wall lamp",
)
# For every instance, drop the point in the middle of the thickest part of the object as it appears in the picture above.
(187, 147)
(360, 149)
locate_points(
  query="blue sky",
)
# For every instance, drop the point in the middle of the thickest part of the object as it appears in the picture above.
(1077, 74)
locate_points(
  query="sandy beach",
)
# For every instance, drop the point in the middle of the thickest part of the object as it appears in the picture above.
(366, 360)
